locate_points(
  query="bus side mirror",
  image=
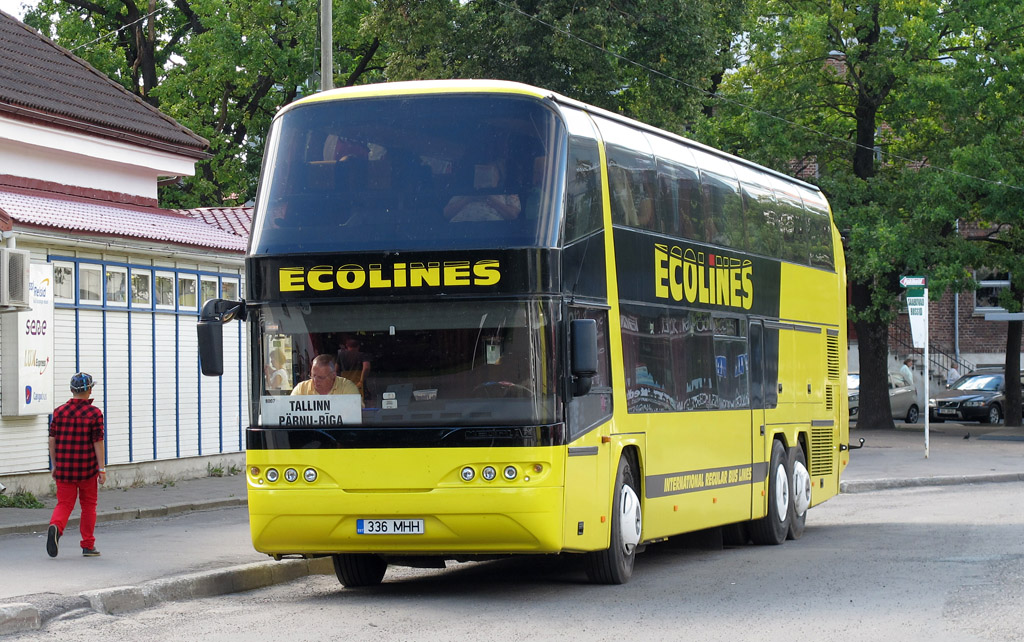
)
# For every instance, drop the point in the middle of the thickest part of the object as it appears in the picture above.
(583, 345)
(211, 347)
(210, 330)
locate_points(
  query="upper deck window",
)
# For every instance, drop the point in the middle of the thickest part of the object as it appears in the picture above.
(411, 173)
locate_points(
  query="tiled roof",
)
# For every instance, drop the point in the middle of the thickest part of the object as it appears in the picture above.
(111, 219)
(237, 220)
(42, 81)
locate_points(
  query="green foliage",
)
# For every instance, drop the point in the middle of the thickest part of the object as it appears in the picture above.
(835, 84)
(20, 500)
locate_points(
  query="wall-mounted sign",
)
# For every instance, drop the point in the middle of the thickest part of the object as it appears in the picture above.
(27, 350)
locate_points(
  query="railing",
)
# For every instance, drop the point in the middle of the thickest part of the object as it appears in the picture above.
(901, 343)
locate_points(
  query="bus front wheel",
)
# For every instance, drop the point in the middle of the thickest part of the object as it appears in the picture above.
(614, 565)
(774, 527)
(355, 569)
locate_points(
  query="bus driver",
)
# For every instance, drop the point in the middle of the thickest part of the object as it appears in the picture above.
(323, 380)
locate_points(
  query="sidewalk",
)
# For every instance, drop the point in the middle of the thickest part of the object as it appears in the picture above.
(889, 459)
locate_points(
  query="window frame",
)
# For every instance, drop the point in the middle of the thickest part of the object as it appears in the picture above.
(108, 270)
(169, 275)
(97, 269)
(61, 265)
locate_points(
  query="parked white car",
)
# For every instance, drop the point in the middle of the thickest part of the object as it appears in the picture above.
(902, 397)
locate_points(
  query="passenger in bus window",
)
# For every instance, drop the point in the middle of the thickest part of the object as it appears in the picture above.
(486, 205)
(354, 365)
(277, 376)
(324, 380)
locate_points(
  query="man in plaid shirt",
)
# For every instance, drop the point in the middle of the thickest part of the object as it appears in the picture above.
(76, 462)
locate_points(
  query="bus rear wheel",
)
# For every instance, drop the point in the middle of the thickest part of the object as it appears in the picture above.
(800, 497)
(359, 569)
(774, 527)
(614, 565)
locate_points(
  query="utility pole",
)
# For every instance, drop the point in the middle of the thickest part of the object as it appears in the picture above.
(326, 46)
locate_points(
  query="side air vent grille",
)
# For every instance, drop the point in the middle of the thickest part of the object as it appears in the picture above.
(832, 352)
(821, 463)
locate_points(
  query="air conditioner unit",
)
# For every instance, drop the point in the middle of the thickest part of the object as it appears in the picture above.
(14, 277)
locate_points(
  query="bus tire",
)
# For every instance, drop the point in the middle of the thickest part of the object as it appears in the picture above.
(614, 565)
(773, 528)
(800, 497)
(359, 569)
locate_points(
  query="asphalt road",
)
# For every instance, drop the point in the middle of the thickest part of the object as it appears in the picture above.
(932, 564)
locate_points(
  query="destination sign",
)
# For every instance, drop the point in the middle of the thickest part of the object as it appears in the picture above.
(310, 410)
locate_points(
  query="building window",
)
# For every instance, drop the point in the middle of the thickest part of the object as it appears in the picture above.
(142, 289)
(187, 292)
(164, 290)
(64, 282)
(229, 289)
(990, 285)
(90, 284)
(207, 289)
(117, 286)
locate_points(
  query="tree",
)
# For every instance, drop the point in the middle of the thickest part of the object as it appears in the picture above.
(652, 60)
(871, 94)
(220, 67)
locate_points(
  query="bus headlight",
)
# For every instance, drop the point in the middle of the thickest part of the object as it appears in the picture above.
(272, 475)
(510, 472)
(468, 473)
(489, 473)
(291, 475)
(309, 475)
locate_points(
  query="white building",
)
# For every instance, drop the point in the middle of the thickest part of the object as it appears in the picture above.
(115, 281)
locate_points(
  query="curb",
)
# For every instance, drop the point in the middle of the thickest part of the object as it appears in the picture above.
(22, 616)
(129, 514)
(870, 485)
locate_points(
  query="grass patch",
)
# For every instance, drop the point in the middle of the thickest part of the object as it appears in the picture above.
(20, 500)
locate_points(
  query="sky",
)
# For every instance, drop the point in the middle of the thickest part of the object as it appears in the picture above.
(13, 7)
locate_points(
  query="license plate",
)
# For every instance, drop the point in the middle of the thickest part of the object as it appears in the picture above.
(389, 526)
(947, 411)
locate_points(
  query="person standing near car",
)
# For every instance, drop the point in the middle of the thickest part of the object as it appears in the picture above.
(76, 462)
(907, 372)
(951, 376)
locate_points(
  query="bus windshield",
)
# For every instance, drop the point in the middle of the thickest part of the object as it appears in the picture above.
(423, 172)
(420, 364)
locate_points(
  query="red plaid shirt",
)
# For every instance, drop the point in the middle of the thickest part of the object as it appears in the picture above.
(76, 426)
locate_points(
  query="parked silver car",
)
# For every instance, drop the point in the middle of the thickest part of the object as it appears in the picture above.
(902, 397)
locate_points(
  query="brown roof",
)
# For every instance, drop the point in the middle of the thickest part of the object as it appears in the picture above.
(236, 220)
(43, 82)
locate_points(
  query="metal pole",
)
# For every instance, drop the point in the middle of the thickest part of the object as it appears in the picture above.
(326, 46)
(927, 378)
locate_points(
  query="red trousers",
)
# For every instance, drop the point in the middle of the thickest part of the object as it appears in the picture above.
(85, 492)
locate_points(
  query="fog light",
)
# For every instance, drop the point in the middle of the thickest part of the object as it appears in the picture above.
(489, 473)
(510, 472)
(272, 474)
(468, 474)
(309, 475)
(291, 475)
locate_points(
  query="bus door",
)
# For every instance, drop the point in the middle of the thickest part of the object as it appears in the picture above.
(587, 478)
(759, 395)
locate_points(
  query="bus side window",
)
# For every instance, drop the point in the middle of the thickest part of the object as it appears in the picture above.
(583, 206)
(631, 182)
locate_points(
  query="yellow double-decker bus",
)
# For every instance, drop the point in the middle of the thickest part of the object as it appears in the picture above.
(538, 327)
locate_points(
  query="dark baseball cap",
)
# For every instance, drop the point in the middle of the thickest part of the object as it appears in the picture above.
(81, 382)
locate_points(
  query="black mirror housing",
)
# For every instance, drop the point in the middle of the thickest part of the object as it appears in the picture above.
(583, 346)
